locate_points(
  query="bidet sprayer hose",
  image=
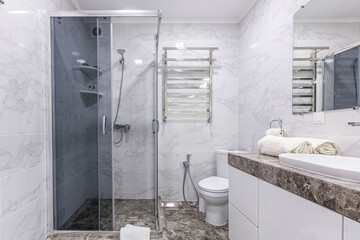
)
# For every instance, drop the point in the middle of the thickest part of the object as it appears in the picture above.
(186, 169)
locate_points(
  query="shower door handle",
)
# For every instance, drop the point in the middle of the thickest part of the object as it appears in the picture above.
(104, 125)
(155, 126)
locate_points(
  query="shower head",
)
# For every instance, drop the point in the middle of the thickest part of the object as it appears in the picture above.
(121, 51)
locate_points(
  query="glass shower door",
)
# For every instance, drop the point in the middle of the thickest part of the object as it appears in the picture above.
(105, 124)
(81, 80)
(134, 148)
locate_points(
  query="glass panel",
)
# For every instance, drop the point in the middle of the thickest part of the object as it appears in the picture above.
(105, 131)
(81, 172)
(134, 140)
(86, 64)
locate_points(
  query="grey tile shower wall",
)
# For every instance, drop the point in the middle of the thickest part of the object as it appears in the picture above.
(199, 138)
(24, 49)
(265, 88)
(76, 142)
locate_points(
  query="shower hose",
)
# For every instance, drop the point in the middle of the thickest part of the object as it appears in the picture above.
(122, 62)
(186, 169)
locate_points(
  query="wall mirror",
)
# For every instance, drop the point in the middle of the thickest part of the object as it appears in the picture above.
(326, 56)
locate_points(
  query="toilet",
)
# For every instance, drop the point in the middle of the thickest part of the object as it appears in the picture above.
(215, 191)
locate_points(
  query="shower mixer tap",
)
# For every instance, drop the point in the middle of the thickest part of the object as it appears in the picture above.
(354, 124)
(126, 127)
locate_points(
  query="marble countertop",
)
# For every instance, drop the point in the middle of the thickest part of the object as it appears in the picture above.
(340, 196)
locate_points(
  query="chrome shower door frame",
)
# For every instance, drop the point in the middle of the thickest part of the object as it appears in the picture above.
(109, 13)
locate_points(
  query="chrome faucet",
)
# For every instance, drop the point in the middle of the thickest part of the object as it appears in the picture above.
(354, 124)
(126, 127)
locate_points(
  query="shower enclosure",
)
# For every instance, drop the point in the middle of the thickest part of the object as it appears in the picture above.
(99, 182)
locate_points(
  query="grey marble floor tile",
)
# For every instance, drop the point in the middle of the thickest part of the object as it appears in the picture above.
(179, 221)
(139, 212)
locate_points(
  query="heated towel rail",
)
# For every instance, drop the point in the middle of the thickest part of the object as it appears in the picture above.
(187, 87)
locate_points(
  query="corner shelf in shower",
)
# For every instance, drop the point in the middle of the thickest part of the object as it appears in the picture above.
(91, 93)
(90, 71)
(89, 97)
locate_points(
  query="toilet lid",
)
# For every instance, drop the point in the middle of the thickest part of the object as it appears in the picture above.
(214, 184)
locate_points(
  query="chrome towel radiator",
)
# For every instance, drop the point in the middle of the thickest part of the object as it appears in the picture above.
(187, 87)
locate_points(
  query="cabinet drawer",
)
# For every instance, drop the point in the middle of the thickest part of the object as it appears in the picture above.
(351, 229)
(243, 193)
(240, 228)
(284, 216)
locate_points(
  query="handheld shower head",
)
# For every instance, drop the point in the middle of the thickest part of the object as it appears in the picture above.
(121, 51)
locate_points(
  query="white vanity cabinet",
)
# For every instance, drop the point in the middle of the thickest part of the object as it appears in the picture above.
(351, 229)
(243, 211)
(240, 185)
(284, 216)
(240, 227)
(261, 211)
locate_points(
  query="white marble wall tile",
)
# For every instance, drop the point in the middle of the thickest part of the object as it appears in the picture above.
(176, 138)
(255, 69)
(133, 159)
(169, 186)
(32, 183)
(24, 64)
(27, 223)
(20, 152)
(20, 116)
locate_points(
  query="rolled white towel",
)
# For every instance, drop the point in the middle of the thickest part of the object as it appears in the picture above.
(322, 146)
(275, 132)
(130, 232)
(274, 145)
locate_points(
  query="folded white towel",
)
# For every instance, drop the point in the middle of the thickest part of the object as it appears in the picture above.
(322, 146)
(274, 145)
(275, 132)
(130, 232)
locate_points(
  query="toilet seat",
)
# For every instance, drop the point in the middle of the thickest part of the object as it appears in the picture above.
(215, 195)
(214, 185)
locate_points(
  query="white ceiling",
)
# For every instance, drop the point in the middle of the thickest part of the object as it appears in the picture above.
(179, 10)
(330, 9)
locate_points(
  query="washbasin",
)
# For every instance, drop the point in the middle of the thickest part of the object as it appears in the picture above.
(346, 168)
